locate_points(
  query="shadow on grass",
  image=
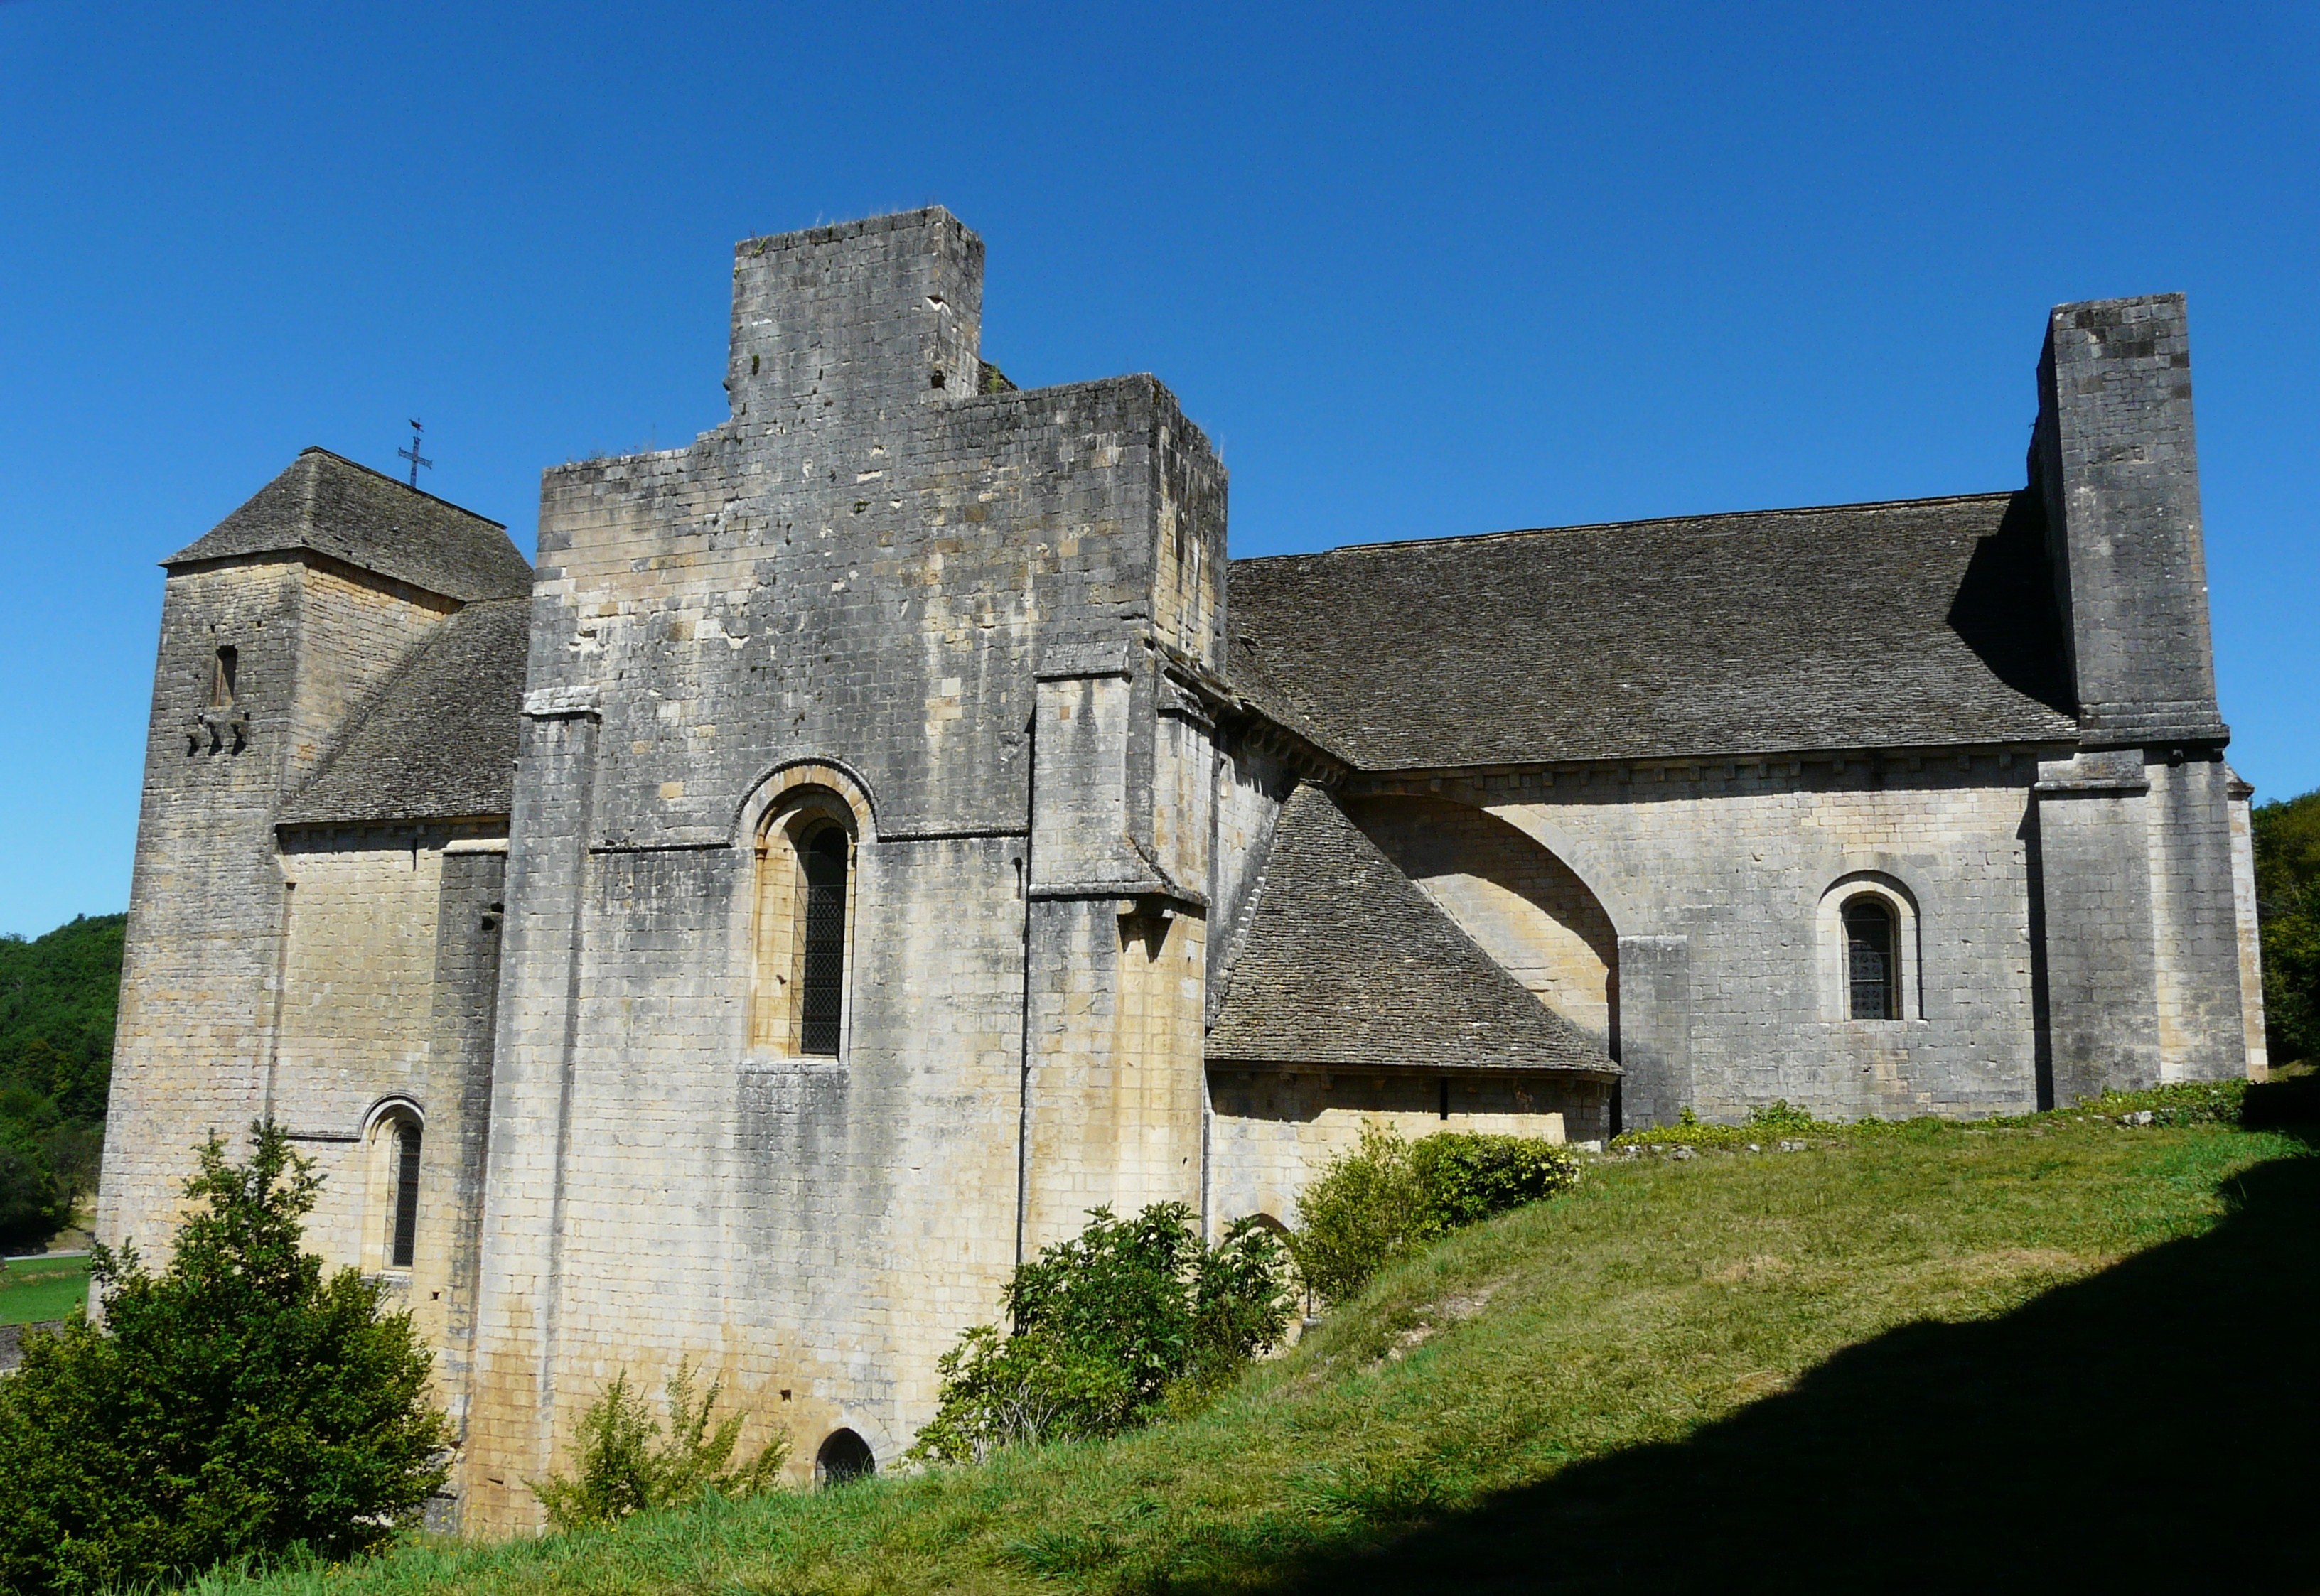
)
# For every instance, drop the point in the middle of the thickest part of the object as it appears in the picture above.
(2156, 1427)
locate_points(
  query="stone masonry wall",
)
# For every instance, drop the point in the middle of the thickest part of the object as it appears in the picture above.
(1720, 874)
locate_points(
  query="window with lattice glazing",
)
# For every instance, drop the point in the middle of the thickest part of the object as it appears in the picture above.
(1872, 987)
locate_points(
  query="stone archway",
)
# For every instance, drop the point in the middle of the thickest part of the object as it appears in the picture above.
(1525, 907)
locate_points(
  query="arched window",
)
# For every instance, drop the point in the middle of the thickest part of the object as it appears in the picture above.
(390, 1225)
(1872, 986)
(403, 1238)
(805, 911)
(822, 985)
(844, 1456)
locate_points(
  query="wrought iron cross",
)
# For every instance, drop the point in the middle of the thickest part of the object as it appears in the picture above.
(414, 455)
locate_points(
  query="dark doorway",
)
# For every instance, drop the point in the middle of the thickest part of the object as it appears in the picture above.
(844, 1456)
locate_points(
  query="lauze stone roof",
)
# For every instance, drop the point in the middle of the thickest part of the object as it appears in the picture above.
(331, 506)
(1345, 961)
(1921, 622)
(438, 741)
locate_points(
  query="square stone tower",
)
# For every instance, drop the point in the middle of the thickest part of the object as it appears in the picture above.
(855, 907)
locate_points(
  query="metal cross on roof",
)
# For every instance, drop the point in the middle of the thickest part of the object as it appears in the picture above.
(414, 455)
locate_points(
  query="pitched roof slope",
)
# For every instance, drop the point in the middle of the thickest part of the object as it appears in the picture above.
(1345, 961)
(350, 512)
(1924, 621)
(438, 741)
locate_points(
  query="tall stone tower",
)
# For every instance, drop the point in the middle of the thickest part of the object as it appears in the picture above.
(904, 668)
(275, 627)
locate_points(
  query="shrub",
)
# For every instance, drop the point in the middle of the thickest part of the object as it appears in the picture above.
(622, 1470)
(236, 1405)
(1464, 1178)
(1388, 1198)
(1104, 1326)
(1363, 1211)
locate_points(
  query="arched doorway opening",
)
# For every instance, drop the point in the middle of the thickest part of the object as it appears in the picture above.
(844, 1456)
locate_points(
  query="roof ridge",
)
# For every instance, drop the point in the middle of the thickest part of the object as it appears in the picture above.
(396, 481)
(1717, 515)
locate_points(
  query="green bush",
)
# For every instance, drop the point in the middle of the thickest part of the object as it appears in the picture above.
(1104, 1328)
(622, 1470)
(237, 1405)
(1388, 1198)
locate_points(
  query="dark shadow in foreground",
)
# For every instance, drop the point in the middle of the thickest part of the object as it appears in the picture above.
(2153, 1428)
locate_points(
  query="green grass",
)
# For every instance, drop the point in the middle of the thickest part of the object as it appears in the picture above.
(2057, 1355)
(35, 1290)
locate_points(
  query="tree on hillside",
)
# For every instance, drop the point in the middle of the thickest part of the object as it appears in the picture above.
(240, 1402)
(59, 994)
(2288, 906)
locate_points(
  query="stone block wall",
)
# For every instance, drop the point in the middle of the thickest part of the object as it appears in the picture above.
(1720, 878)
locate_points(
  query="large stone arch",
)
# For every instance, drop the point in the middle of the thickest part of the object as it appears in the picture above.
(1528, 907)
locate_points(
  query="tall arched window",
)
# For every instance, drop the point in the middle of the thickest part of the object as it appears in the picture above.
(403, 1240)
(822, 985)
(1870, 967)
(805, 912)
(390, 1223)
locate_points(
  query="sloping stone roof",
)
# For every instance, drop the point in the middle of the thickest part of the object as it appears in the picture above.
(438, 741)
(1921, 622)
(334, 507)
(1346, 961)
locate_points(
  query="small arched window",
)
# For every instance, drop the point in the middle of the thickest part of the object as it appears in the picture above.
(392, 1222)
(1872, 986)
(821, 978)
(844, 1456)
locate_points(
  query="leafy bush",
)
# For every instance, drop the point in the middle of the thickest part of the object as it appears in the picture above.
(1105, 1326)
(1388, 1198)
(621, 1471)
(236, 1405)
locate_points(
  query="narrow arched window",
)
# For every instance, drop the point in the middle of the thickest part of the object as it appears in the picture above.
(821, 974)
(1871, 985)
(403, 1237)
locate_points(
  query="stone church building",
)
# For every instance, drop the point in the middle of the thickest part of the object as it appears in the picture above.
(882, 831)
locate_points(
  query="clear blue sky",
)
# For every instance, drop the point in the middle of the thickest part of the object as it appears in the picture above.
(1417, 270)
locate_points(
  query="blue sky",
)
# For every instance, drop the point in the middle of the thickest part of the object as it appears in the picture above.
(1416, 270)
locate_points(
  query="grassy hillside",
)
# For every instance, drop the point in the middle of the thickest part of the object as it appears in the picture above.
(2065, 1354)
